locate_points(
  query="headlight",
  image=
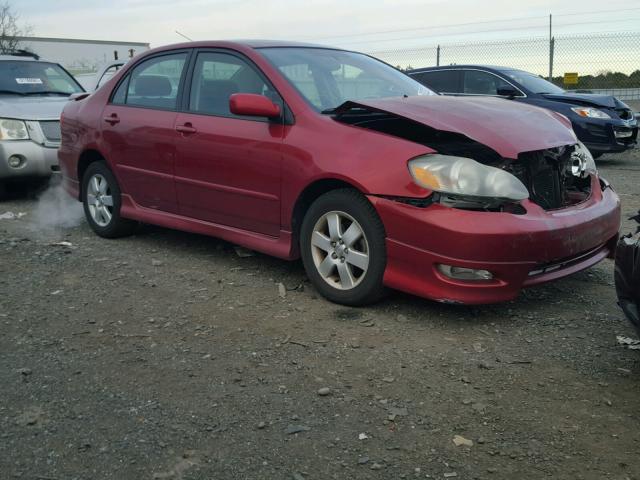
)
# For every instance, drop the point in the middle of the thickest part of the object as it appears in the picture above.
(582, 162)
(464, 176)
(13, 129)
(591, 112)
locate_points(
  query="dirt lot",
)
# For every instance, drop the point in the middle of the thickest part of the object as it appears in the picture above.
(167, 356)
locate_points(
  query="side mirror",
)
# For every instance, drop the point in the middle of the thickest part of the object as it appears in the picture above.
(253, 105)
(508, 91)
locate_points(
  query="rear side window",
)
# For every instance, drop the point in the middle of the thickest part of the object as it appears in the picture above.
(154, 83)
(477, 82)
(442, 81)
(217, 76)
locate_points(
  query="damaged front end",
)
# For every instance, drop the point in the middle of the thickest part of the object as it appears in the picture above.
(467, 174)
(627, 275)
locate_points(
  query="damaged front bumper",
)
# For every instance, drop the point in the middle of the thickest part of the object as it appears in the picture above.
(519, 250)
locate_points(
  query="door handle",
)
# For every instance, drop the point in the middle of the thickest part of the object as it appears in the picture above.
(187, 128)
(112, 119)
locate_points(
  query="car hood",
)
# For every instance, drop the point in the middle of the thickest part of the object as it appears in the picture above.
(507, 127)
(586, 99)
(36, 107)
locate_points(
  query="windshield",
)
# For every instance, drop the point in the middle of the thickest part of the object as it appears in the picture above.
(533, 82)
(328, 78)
(33, 78)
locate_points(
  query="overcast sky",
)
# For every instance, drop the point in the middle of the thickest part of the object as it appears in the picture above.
(359, 24)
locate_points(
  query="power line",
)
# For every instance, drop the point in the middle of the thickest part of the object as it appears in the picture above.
(532, 27)
(474, 23)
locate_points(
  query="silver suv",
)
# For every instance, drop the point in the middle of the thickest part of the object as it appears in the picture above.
(32, 95)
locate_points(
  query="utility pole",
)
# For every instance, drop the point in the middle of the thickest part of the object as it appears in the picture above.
(438, 56)
(551, 48)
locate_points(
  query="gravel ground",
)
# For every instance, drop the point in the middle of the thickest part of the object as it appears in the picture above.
(168, 356)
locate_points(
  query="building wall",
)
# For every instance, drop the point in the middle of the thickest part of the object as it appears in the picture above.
(80, 56)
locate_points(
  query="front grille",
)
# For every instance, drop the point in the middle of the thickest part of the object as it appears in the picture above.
(548, 177)
(51, 130)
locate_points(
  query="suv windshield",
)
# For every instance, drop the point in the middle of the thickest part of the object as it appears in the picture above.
(533, 82)
(22, 77)
(328, 78)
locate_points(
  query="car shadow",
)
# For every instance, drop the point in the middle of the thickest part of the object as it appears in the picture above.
(396, 304)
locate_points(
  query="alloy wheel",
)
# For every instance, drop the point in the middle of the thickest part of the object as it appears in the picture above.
(100, 200)
(340, 250)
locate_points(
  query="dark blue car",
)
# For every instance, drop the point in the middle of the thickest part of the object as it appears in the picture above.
(602, 122)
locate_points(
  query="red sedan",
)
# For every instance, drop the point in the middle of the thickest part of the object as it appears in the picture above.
(335, 157)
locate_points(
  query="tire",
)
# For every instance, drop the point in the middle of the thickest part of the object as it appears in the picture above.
(333, 252)
(102, 202)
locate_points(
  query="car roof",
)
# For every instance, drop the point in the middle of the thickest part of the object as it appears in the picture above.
(449, 67)
(240, 44)
(20, 58)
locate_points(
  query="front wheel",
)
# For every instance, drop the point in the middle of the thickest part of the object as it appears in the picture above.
(342, 242)
(102, 200)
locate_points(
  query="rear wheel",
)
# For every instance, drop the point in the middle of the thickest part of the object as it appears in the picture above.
(342, 241)
(101, 198)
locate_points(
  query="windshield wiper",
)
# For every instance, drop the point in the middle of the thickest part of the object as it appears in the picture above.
(47, 92)
(12, 92)
(327, 111)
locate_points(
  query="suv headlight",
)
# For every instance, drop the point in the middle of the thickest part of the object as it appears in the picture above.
(13, 129)
(464, 176)
(591, 112)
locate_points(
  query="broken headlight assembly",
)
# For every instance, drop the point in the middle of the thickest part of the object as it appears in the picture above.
(464, 183)
(582, 163)
(627, 275)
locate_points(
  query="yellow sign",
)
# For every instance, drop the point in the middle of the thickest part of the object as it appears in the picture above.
(571, 78)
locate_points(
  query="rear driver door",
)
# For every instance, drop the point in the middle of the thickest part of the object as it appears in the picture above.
(138, 129)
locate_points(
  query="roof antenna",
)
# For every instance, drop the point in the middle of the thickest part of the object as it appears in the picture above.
(183, 35)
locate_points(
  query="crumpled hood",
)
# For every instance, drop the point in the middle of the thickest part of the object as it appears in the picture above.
(33, 107)
(508, 127)
(587, 99)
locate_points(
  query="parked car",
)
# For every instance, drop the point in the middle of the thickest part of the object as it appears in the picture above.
(93, 81)
(333, 156)
(602, 122)
(33, 93)
(627, 275)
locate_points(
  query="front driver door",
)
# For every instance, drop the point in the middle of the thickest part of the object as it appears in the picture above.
(138, 129)
(228, 169)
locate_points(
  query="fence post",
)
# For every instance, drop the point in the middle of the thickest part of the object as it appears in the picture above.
(438, 56)
(552, 43)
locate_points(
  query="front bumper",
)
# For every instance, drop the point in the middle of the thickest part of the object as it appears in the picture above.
(604, 137)
(520, 250)
(38, 160)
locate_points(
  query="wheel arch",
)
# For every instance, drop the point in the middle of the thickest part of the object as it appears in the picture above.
(306, 197)
(86, 158)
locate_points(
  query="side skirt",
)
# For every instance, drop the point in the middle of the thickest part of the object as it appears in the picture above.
(280, 247)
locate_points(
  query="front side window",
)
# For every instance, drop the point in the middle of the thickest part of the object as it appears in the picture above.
(217, 76)
(22, 77)
(477, 82)
(154, 83)
(327, 78)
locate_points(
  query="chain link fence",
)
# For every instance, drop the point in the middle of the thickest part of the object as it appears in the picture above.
(604, 62)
